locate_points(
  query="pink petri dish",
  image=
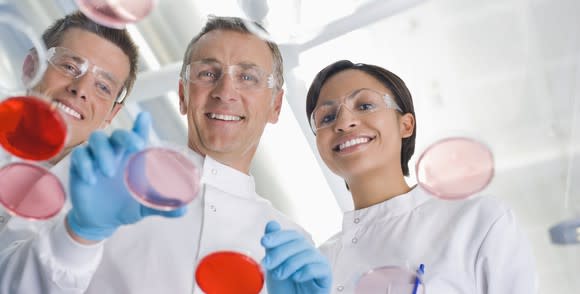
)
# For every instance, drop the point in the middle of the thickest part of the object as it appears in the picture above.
(116, 13)
(30, 191)
(455, 168)
(388, 280)
(162, 178)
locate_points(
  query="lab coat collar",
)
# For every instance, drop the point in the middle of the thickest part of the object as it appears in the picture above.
(393, 207)
(227, 179)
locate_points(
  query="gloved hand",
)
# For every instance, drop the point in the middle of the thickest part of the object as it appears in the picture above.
(100, 200)
(293, 265)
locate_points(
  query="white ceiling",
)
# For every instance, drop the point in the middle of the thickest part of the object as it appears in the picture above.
(506, 72)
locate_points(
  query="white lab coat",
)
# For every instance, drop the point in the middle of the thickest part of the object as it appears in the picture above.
(471, 246)
(156, 255)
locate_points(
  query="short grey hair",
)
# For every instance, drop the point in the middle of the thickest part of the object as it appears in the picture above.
(237, 24)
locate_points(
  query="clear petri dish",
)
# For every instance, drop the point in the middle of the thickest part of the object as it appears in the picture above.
(22, 55)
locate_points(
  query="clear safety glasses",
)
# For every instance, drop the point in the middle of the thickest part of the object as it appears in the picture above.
(244, 76)
(74, 66)
(359, 102)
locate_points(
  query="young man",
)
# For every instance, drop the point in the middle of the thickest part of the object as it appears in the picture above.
(230, 88)
(90, 92)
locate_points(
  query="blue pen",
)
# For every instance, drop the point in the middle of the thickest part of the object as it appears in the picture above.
(420, 272)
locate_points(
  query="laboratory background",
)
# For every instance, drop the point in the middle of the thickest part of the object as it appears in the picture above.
(503, 72)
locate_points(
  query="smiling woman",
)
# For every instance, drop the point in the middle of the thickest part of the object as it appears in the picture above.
(364, 122)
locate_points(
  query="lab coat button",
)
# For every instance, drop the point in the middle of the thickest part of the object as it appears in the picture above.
(214, 171)
(212, 208)
(339, 288)
(354, 240)
(356, 220)
(2, 219)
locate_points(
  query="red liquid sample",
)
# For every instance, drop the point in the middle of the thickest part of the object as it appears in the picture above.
(30, 191)
(30, 128)
(228, 272)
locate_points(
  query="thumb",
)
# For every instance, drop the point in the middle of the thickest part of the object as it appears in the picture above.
(272, 226)
(142, 125)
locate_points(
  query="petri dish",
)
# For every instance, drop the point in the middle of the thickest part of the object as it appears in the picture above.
(455, 168)
(229, 272)
(389, 280)
(30, 191)
(162, 178)
(116, 13)
(31, 128)
(22, 55)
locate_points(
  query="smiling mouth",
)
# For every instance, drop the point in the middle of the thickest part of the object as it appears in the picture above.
(224, 117)
(351, 143)
(69, 111)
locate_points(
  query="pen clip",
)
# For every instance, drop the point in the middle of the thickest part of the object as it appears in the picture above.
(420, 272)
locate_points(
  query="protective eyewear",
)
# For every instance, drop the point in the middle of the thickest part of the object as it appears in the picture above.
(244, 76)
(74, 66)
(360, 102)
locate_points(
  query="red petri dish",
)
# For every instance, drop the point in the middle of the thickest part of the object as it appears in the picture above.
(455, 168)
(229, 272)
(162, 178)
(30, 191)
(30, 128)
(116, 13)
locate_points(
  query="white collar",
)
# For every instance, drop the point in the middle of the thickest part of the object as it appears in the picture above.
(393, 207)
(227, 179)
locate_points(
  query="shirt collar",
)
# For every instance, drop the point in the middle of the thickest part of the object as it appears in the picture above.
(393, 207)
(227, 179)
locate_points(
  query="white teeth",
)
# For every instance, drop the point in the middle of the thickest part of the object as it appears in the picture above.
(224, 117)
(353, 142)
(68, 110)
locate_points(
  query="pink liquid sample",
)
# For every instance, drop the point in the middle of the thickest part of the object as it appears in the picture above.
(162, 178)
(30, 191)
(116, 13)
(388, 280)
(455, 168)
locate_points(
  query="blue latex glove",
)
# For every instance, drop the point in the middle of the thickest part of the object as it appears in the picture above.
(292, 263)
(100, 200)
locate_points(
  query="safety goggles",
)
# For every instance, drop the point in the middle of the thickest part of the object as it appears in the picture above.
(244, 76)
(359, 102)
(74, 66)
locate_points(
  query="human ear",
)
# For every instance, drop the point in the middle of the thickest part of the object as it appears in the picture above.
(277, 107)
(406, 125)
(182, 99)
(30, 67)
